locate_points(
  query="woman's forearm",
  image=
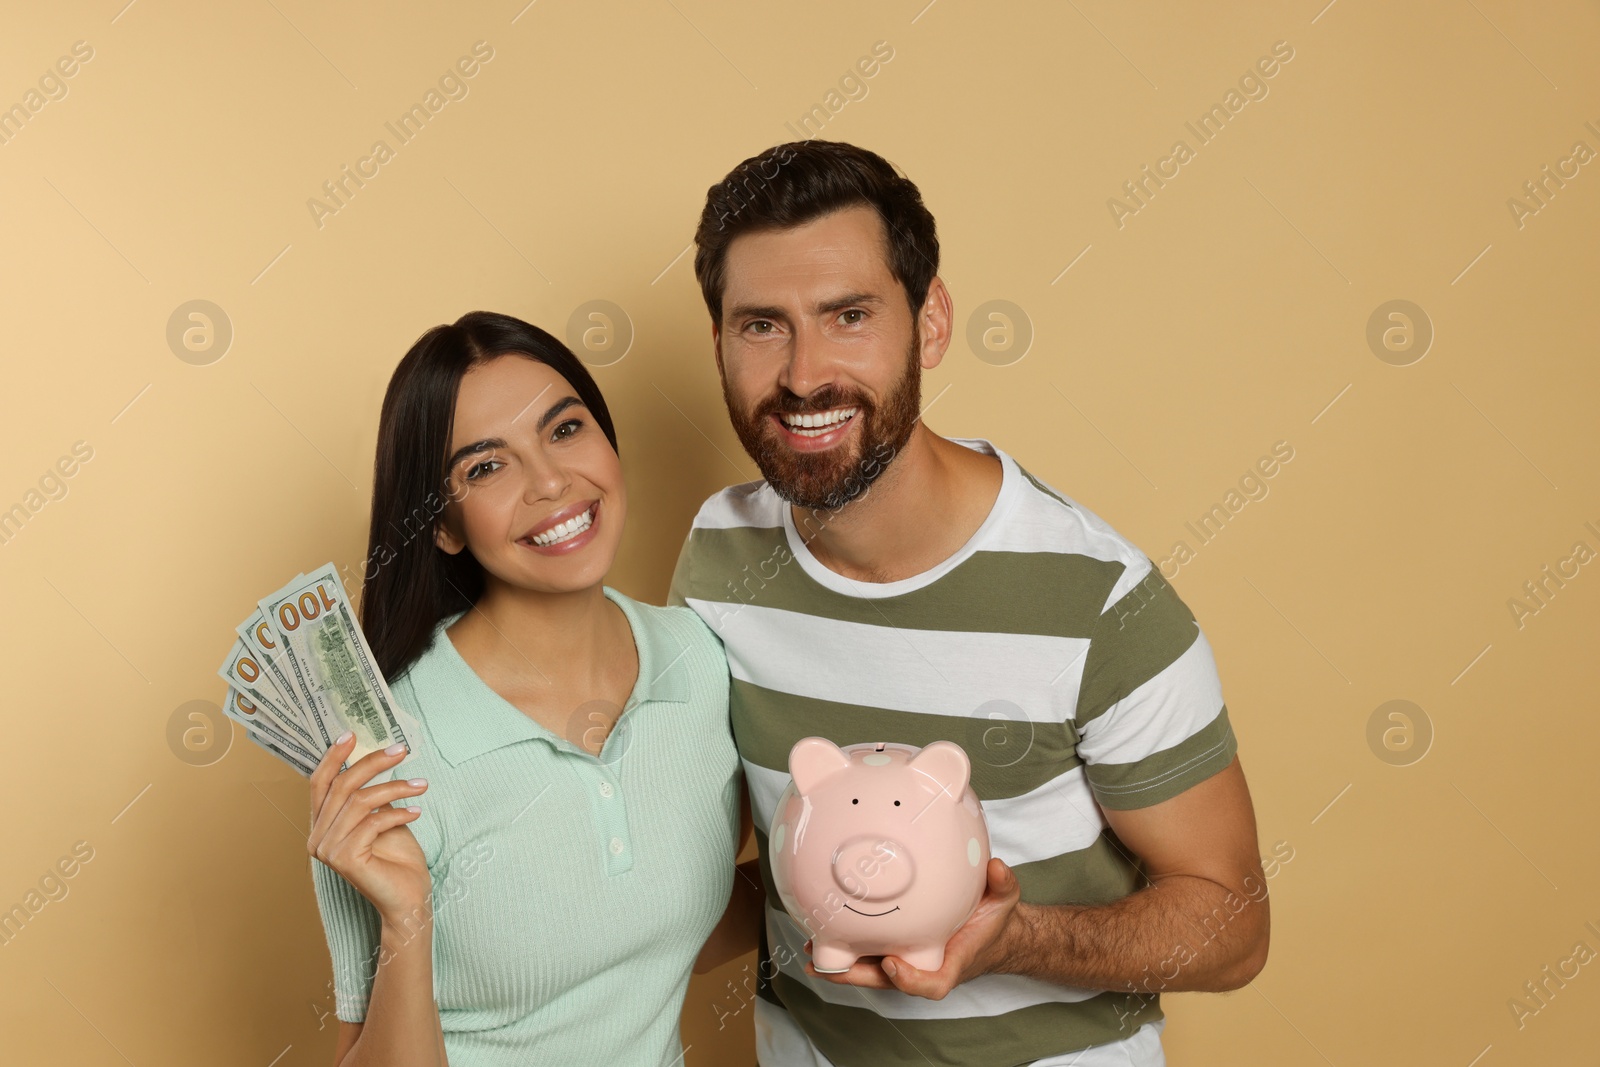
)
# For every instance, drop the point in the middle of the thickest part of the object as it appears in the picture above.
(402, 1024)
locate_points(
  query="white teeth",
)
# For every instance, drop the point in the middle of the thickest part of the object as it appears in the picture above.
(821, 423)
(561, 531)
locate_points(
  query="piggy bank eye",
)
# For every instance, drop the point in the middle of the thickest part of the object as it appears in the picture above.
(897, 803)
(855, 801)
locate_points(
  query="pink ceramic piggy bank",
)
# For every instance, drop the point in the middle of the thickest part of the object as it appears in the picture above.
(878, 849)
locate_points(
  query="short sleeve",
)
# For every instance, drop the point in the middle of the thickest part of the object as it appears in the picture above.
(352, 927)
(677, 592)
(1150, 717)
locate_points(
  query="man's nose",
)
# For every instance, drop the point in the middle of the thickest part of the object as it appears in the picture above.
(810, 364)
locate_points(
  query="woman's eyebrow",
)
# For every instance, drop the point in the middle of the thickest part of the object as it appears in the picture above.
(557, 408)
(498, 442)
(477, 446)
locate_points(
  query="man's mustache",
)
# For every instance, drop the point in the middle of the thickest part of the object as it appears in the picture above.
(811, 405)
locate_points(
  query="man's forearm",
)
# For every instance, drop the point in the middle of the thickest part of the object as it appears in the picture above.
(1182, 933)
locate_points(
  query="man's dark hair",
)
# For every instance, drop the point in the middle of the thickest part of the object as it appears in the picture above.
(792, 184)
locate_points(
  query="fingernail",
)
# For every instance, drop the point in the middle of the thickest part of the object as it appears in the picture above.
(888, 967)
(417, 782)
(342, 738)
(394, 749)
(413, 809)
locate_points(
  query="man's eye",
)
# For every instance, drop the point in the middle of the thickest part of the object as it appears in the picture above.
(761, 326)
(852, 311)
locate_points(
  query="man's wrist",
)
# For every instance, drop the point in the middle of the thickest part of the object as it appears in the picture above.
(1018, 942)
(1039, 939)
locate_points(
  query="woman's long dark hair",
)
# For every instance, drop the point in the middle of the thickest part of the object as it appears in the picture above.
(409, 582)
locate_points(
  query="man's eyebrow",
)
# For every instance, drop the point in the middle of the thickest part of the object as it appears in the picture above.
(489, 443)
(851, 300)
(755, 311)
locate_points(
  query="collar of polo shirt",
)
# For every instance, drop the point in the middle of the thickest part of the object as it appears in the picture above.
(441, 680)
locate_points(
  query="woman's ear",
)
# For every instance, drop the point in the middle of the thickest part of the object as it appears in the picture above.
(447, 541)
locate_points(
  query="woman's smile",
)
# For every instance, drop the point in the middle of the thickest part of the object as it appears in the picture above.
(567, 531)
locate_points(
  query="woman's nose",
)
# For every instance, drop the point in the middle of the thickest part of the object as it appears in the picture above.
(545, 480)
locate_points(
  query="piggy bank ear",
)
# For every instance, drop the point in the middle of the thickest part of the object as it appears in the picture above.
(946, 763)
(813, 759)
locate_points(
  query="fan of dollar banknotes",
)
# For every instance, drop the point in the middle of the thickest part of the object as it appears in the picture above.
(300, 673)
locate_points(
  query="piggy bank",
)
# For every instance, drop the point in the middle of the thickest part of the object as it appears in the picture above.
(878, 849)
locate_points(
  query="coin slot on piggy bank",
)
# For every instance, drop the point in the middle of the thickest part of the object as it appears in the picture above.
(878, 849)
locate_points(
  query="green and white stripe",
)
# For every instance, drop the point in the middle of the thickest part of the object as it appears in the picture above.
(1050, 649)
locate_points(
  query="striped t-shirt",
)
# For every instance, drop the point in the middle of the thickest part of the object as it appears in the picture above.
(1051, 649)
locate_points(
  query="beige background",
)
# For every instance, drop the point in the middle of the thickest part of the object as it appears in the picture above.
(1229, 313)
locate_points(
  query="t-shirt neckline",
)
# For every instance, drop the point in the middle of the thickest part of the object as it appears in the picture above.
(1010, 480)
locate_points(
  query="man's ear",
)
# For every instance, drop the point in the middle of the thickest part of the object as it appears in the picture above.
(716, 345)
(935, 320)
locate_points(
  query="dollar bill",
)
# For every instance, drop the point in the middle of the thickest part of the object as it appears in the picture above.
(261, 639)
(330, 666)
(242, 710)
(270, 746)
(242, 671)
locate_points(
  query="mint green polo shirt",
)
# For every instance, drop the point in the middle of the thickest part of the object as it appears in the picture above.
(572, 891)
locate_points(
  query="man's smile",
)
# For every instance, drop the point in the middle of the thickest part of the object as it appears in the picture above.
(815, 432)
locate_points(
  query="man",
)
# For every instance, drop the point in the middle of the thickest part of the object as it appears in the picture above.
(883, 583)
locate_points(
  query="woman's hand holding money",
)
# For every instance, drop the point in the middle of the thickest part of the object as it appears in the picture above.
(356, 832)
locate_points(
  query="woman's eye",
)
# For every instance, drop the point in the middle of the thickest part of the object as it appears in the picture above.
(576, 424)
(477, 468)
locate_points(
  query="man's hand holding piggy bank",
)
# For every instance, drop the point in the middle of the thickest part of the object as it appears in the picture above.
(881, 850)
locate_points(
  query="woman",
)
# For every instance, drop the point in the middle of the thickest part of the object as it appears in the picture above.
(571, 813)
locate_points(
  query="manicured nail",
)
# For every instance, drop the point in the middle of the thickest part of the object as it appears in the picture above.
(394, 749)
(342, 738)
(417, 782)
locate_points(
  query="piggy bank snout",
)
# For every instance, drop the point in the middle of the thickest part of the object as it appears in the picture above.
(873, 868)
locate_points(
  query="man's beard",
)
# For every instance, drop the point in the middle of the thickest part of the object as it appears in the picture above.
(833, 478)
